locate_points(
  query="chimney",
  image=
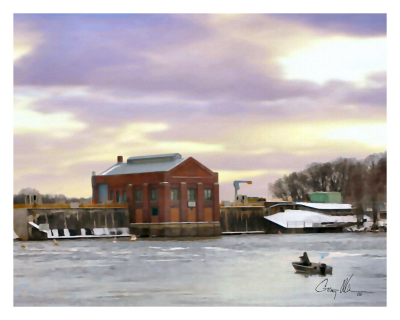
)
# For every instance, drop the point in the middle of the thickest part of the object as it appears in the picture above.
(120, 159)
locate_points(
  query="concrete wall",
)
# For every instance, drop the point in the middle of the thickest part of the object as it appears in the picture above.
(21, 223)
(73, 220)
(178, 229)
(239, 219)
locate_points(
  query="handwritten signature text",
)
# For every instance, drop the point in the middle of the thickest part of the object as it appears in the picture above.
(346, 287)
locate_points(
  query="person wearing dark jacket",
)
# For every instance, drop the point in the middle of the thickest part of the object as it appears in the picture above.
(304, 260)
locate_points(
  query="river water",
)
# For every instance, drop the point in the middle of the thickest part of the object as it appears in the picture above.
(243, 270)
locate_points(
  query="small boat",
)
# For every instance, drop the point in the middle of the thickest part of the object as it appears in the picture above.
(315, 268)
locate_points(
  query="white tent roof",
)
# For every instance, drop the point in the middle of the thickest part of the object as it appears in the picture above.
(301, 218)
(326, 206)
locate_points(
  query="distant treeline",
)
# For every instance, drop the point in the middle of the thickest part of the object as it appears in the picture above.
(361, 183)
(47, 198)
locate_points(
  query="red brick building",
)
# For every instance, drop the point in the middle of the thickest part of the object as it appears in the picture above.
(163, 192)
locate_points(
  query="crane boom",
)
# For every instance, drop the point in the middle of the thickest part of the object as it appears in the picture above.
(236, 185)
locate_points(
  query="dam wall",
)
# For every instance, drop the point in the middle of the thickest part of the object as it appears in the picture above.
(69, 222)
(31, 223)
(242, 219)
(177, 229)
(21, 223)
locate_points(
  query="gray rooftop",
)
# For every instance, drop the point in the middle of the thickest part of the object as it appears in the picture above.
(316, 205)
(156, 158)
(142, 164)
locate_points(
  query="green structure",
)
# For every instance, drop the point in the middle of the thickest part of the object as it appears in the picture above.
(326, 197)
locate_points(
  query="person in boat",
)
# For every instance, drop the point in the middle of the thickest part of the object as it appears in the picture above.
(304, 260)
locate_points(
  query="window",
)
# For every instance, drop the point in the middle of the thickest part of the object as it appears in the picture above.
(153, 195)
(191, 193)
(207, 194)
(138, 195)
(111, 195)
(117, 196)
(124, 196)
(154, 211)
(174, 195)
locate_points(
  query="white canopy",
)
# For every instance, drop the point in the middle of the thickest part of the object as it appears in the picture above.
(303, 218)
(326, 206)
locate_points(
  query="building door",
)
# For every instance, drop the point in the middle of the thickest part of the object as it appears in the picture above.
(103, 192)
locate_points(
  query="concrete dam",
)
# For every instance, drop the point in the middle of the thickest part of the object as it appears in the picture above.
(242, 219)
(42, 223)
(48, 223)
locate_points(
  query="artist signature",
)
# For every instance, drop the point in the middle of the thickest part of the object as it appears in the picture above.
(344, 288)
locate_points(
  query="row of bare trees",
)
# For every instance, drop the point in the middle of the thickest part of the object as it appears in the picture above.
(361, 183)
(46, 198)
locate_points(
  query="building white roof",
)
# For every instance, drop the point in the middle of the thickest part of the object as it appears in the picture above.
(304, 218)
(325, 206)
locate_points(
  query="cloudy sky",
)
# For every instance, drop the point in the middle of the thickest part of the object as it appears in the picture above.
(252, 97)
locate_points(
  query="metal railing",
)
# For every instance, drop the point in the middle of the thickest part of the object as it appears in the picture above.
(68, 205)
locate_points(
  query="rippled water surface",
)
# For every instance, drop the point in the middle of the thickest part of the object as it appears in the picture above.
(244, 270)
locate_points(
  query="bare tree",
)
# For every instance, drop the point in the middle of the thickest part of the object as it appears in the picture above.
(347, 176)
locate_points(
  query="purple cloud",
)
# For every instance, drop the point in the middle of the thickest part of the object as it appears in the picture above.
(355, 24)
(208, 87)
(372, 95)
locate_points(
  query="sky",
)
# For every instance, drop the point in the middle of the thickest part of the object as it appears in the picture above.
(250, 96)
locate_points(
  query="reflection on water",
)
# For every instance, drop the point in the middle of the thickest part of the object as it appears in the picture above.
(244, 270)
(305, 275)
